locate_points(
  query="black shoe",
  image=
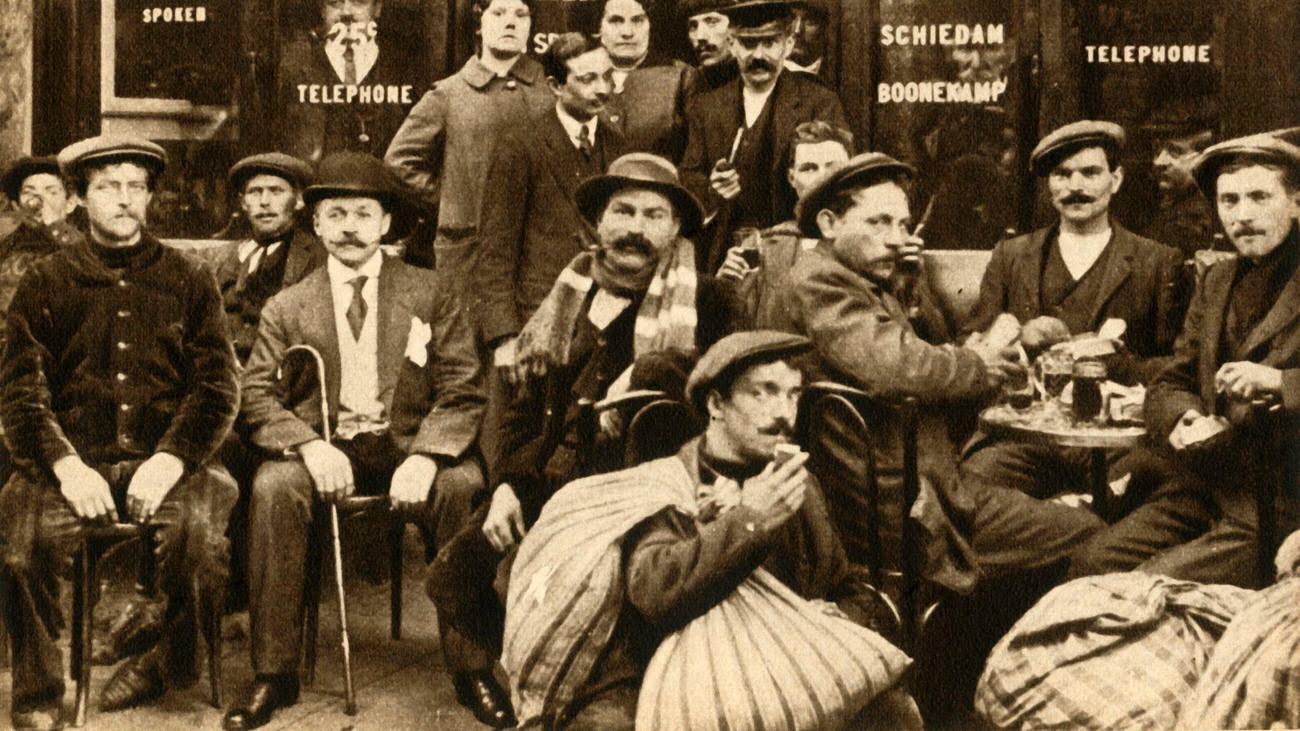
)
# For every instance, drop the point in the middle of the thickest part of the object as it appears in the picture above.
(482, 695)
(268, 695)
(137, 682)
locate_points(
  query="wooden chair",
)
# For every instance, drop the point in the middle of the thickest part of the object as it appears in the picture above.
(97, 544)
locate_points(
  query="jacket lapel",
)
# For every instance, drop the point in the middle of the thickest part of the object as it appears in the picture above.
(1217, 290)
(1030, 274)
(318, 331)
(1118, 267)
(1283, 312)
(393, 321)
(302, 257)
(786, 102)
(562, 154)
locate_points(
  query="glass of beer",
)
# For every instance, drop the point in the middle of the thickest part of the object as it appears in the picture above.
(1088, 377)
(746, 238)
(1055, 368)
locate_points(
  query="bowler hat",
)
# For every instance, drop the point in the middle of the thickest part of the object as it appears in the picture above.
(296, 171)
(639, 170)
(22, 168)
(105, 149)
(736, 351)
(1071, 138)
(358, 175)
(860, 170)
(1259, 146)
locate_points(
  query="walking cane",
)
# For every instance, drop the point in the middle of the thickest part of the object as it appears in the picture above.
(350, 697)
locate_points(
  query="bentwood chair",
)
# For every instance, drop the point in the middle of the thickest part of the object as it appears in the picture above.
(98, 543)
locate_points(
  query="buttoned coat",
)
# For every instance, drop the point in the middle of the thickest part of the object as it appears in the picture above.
(1143, 285)
(651, 109)
(444, 147)
(305, 254)
(304, 314)
(116, 364)
(530, 227)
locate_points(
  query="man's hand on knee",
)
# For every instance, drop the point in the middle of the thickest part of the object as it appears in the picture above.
(412, 482)
(84, 489)
(150, 485)
(504, 524)
(330, 469)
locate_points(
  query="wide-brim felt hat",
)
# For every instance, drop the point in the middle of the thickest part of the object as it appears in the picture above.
(358, 175)
(1258, 146)
(22, 168)
(297, 172)
(736, 351)
(864, 169)
(1073, 137)
(640, 170)
(106, 149)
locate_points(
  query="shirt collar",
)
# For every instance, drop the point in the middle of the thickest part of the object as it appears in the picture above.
(341, 273)
(525, 70)
(573, 127)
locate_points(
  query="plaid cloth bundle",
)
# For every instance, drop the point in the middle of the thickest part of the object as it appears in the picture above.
(1120, 651)
(1253, 677)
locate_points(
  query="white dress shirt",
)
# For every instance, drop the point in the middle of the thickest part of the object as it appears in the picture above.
(754, 102)
(252, 253)
(360, 409)
(573, 128)
(365, 54)
(1080, 252)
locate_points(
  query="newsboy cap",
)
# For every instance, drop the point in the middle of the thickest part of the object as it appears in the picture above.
(691, 8)
(358, 175)
(639, 170)
(1265, 147)
(861, 170)
(105, 149)
(737, 351)
(759, 18)
(279, 164)
(1065, 141)
(21, 169)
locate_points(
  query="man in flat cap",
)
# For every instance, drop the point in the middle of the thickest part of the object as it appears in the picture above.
(368, 316)
(444, 147)
(45, 200)
(738, 137)
(708, 31)
(1070, 278)
(1225, 415)
(633, 297)
(120, 383)
(844, 295)
(687, 534)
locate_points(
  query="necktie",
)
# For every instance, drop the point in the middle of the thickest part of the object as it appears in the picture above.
(356, 313)
(584, 142)
(349, 63)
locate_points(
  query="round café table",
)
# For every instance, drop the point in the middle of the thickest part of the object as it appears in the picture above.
(1048, 423)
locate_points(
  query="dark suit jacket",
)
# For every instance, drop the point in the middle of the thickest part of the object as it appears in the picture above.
(305, 254)
(304, 314)
(1143, 285)
(529, 226)
(713, 118)
(651, 110)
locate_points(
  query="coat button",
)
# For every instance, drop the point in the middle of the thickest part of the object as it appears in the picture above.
(363, 137)
(121, 377)
(511, 84)
(121, 345)
(123, 313)
(121, 282)
(613, 117)
(124, 407)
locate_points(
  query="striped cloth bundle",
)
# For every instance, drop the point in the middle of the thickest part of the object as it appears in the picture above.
(763, 658)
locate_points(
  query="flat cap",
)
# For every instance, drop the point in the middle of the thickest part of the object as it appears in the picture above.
(861, 170)
(1064, 141)
(690, 8)
(737, 350)
(639, 170)
(19, 170)
(104, 149)
(290, 168)
(1267, 147)
(759, 18)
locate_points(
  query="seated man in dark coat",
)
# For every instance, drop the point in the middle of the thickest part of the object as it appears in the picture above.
(636, 294)
(119, 385)
(694, 531)
(1225, 415)
(367, 315)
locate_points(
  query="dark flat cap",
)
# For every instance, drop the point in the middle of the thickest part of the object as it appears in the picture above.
(639, 170)
(22, 168)
(279, 164)
(860, 170)
(759, 17)
(358, 175)
(1075, 136)
(1259, 147)
(689, 8)
(735, 351)
(112, 148)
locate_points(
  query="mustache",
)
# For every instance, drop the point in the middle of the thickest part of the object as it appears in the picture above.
(1246, 229)
(1077, 198)
(778, 428)
(633, 242)
(759, 64)
(703, 46)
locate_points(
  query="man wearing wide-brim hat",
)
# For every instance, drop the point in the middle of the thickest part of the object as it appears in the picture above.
(404, 394)
(120, 384)
(1225, 415)
(847, 297)
(633, 297)
(738, 136)
(1068, 279)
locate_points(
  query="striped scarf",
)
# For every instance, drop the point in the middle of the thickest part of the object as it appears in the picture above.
(567, 588)
(665, 320)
